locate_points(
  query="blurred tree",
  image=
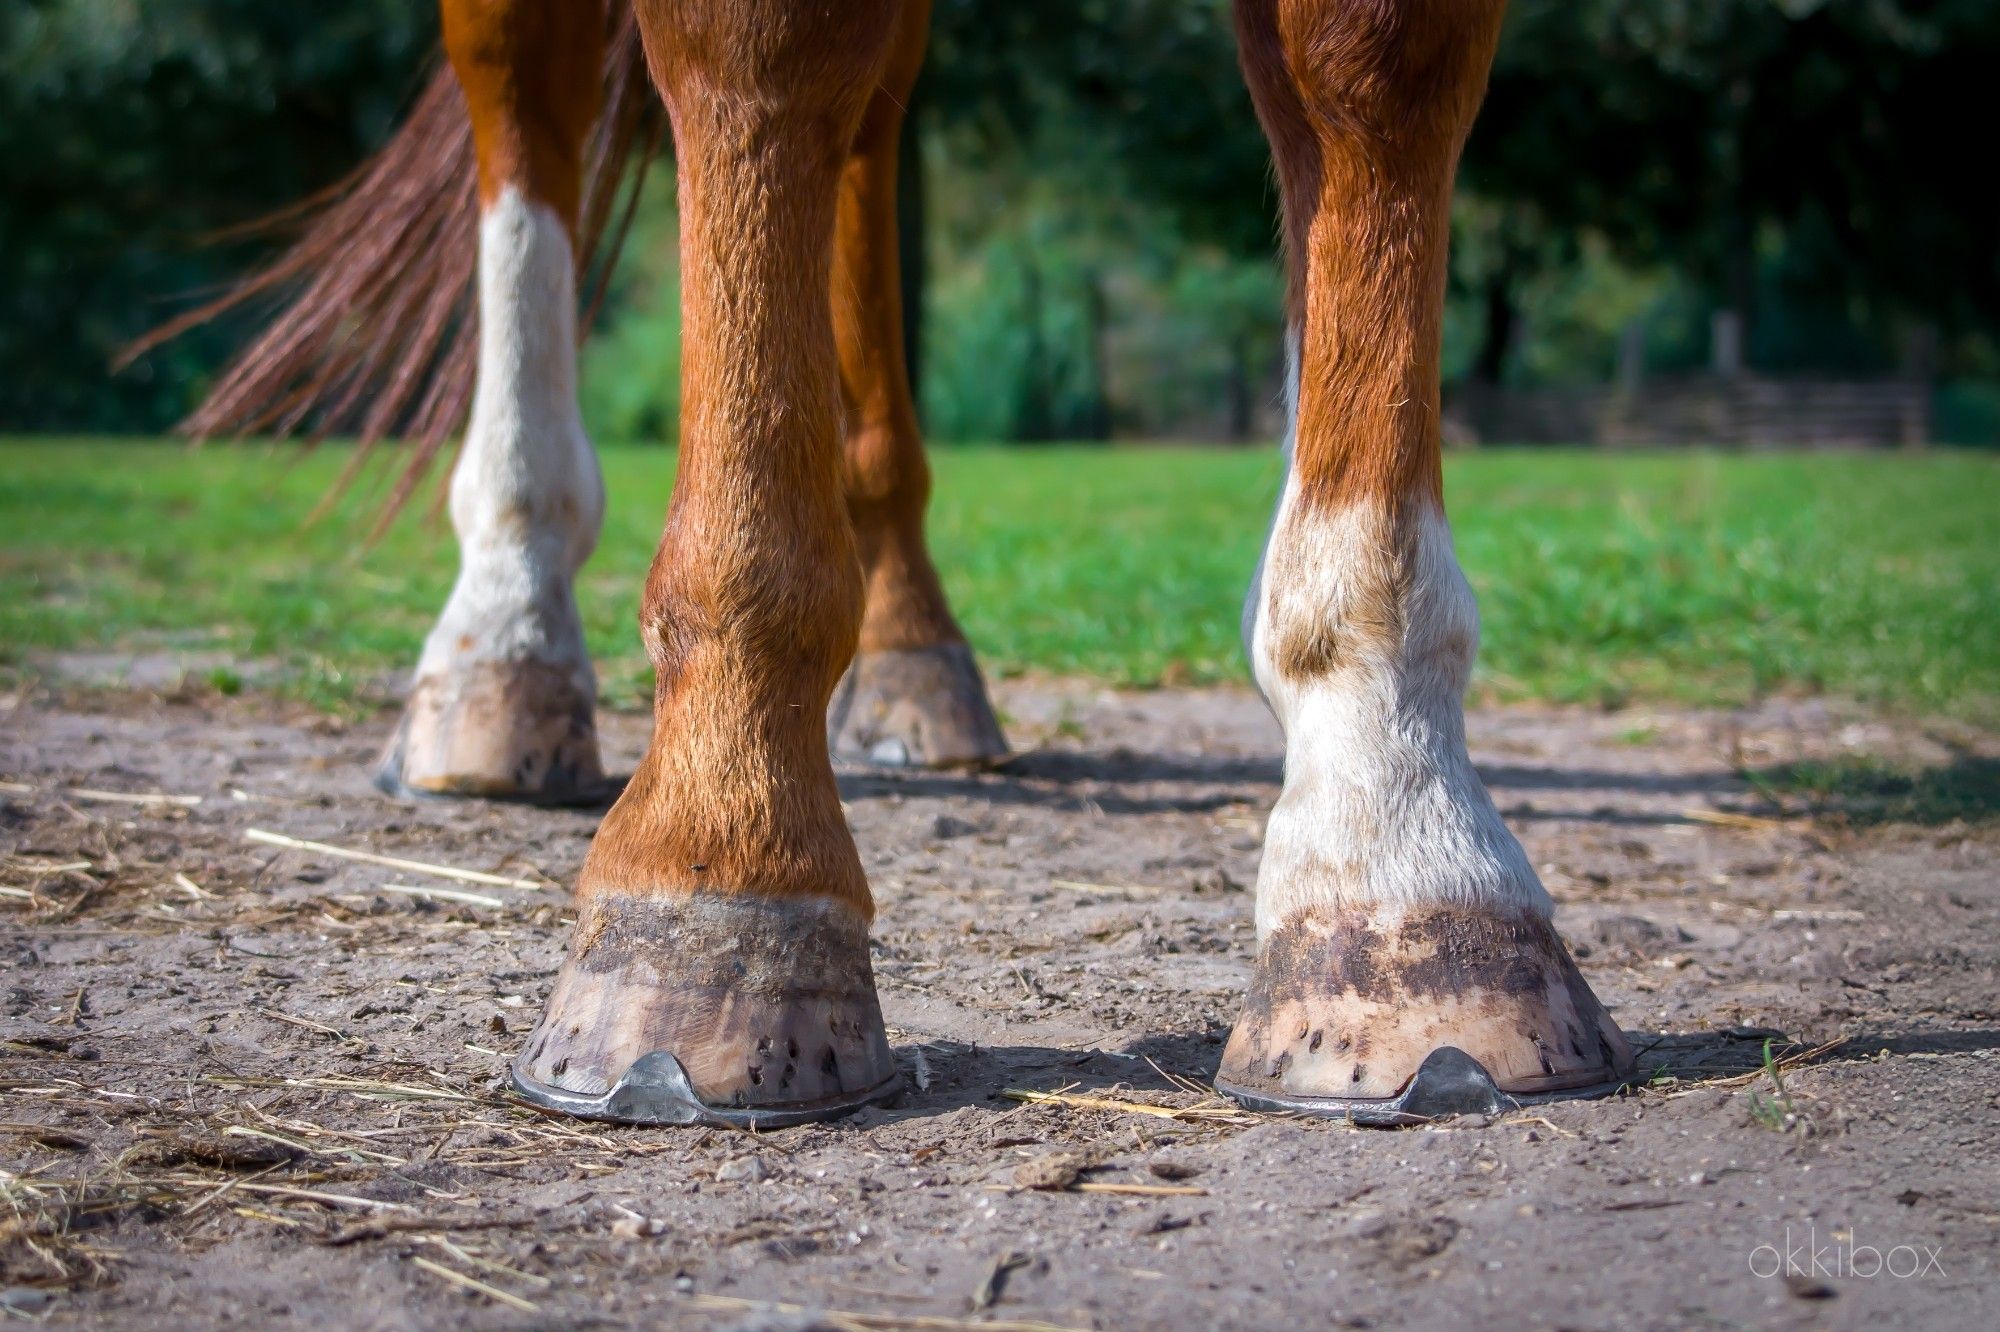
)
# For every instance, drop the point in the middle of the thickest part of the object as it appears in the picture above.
(129, 132)
(1814, 150)
(1114, 142)
(1149, 83)
(1097, 236)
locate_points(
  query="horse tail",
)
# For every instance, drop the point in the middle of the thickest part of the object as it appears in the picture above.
(374, 324)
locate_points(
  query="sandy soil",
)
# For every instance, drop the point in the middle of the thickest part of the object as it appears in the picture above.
(247, 1086)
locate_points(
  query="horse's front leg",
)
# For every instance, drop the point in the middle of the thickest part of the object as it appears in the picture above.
(1397, 917)
(719, 966)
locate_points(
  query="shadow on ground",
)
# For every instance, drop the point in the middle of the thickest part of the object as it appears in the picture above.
(964, 1075)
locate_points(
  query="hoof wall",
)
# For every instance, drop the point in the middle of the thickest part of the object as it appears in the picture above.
(1351, 1012)
(711, 1008)
(389, 781)
(522, 732)
(656, 1091)
(918, 708)
(1448, 1082)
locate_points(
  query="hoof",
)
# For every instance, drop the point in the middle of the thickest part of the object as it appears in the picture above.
(711, 1009)
(515, 731)
(916, 708)
(1396, 1018)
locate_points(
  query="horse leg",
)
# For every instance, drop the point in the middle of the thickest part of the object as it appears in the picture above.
(719, 965)
(913, 694)
(502, 704)
(1396, 914)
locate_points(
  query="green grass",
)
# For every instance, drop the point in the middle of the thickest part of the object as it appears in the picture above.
(1602, 578)
(1862, 791)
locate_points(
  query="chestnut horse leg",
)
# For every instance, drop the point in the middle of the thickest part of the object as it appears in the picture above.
(504, 693)
(1397, 916)
(913, 694)
(719, 965)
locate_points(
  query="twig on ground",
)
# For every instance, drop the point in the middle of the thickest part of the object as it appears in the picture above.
(474, 1283)
(307, 1149)
(1541, 1121)
(393, 862)
(109, 797)
(1724, 818)
(989, 1289)
(851, 1318)
(304, 1195)
(374, 1091)
(442, 894)
(224, 1189)
(381, 1227)
(475, 1260)
(1697, 1083)
(273, 1218)
(1207, 1114)
(1081, 886)
(306, 1023)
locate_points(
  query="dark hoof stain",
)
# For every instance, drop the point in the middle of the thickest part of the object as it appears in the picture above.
(1392, 988)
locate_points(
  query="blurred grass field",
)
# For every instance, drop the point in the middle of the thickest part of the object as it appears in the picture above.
(1602, 578)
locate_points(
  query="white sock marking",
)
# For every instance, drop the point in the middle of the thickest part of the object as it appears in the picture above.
(1381, 806)
(527, 498)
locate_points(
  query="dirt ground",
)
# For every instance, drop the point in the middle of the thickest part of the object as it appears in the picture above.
(242, 1085)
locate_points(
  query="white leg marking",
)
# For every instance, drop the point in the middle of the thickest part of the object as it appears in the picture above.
(1255, 595)
(527, 498)
(1381, 807)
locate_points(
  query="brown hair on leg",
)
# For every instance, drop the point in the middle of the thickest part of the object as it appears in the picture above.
(1366, 106)
(913, 694)
(532, 75)
(722, 909)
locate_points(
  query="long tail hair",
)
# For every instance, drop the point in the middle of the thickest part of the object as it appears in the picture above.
(375, 329)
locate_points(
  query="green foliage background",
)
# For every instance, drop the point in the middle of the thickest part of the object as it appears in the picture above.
(1097, 216)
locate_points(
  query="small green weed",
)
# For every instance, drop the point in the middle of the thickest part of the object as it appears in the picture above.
(1776, 1111)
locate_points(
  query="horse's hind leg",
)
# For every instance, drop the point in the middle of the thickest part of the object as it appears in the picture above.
(913, 694)
(503, 700)
(1401, 928)
(719, 966)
